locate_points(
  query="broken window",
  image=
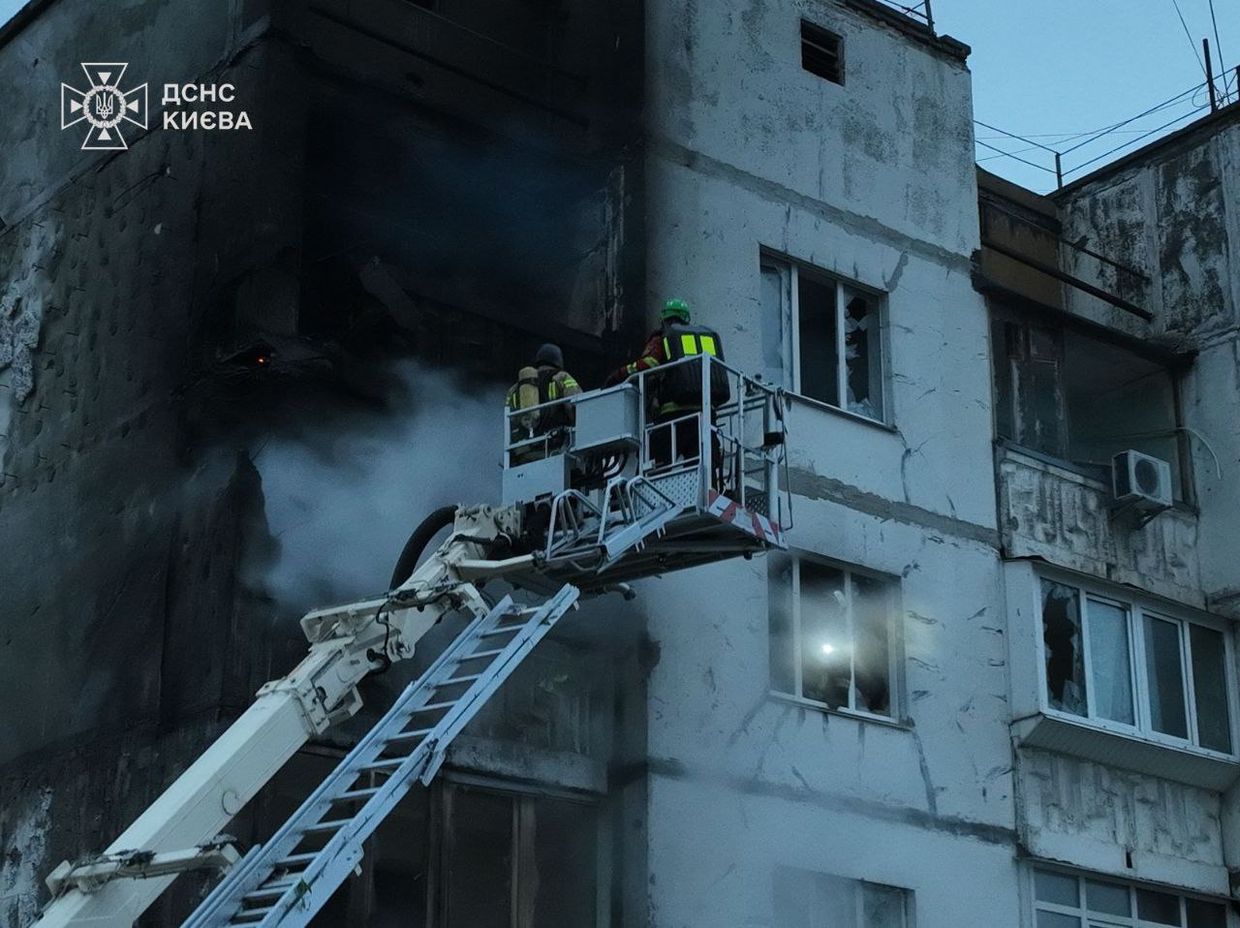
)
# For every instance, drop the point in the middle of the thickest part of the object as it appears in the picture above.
(806, 899)
(831, 635)
(1069, 900)
(822, 52)
(1100, 652)
(1066, 394)
(822, 337)
(1065, 648)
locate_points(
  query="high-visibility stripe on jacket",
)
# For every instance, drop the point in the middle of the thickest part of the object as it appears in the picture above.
(552, 384)
(681, 387)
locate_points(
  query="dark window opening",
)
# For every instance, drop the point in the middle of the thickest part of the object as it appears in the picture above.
(517, 861)
(1065, 394)
(818, 340)
(459, 856)
(822, 52)
(1065, 653)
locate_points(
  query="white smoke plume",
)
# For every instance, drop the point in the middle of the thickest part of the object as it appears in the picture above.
(343, 498)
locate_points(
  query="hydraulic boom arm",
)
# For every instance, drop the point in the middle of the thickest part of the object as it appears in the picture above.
(612, 498)
(178, 831)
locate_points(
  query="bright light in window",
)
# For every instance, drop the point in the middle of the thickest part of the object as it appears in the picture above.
(828, 649)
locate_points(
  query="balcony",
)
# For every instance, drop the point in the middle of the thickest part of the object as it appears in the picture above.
(1055, 512)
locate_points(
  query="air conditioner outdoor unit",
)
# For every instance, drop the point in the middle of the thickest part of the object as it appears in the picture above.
(1141, 482)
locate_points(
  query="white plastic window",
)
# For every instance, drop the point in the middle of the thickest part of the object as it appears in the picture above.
(1068, 900)
(822, 337)
(807, 899)
(833, 635)
(1127, 663)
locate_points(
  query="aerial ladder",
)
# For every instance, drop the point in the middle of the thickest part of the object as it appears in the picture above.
(615, 495)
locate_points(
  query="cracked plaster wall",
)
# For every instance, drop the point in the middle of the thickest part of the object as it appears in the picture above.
(123, 539)
(872, 181)
(1176, 216)
(129, 630)
(1063, 517)
(1115, 821)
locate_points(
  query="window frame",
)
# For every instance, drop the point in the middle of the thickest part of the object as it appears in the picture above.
(858, 887)
(521, 799)
(813, 33)
(895, 641)
(791, 270)
(1001, 316)
(1136, 608)
(1093, 919)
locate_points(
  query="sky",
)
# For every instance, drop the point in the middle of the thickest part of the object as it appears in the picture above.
(1050, 68)
(1042, 67)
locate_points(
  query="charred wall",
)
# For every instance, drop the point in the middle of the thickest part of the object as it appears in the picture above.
(456, 186)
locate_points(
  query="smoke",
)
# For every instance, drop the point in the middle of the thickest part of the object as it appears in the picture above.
(343, 495)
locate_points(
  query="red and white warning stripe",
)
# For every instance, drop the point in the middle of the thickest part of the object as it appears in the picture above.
(733, 513)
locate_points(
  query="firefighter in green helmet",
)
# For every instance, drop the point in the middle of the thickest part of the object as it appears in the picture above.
(677, 392)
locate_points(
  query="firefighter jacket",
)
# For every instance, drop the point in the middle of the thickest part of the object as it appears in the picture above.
(538, 385)
(681, 387)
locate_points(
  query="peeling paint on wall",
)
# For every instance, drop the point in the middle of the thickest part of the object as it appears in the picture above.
(23, 842)
(1046, 511)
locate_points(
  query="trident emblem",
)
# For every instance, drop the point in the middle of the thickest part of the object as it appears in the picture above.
(104, 106)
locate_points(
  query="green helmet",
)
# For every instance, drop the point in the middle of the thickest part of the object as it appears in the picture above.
(677, 310)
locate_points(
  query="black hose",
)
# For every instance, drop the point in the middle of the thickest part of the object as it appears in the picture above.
(431, 526)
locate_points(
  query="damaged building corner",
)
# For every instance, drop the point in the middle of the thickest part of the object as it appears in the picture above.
(920, 580)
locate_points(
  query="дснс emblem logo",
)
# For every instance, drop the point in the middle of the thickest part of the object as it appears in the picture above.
(104, 106)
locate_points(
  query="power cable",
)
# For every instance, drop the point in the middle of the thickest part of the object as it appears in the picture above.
(1106, 154)
(1196, 53)
(1062, 136)
(1012, 136)
(1119, 125)
(1218, 50)
(1094, 134)
(1013, 157)
(1006, 154)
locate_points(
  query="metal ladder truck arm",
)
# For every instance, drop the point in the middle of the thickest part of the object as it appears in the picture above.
(616, 496)
(181, 830)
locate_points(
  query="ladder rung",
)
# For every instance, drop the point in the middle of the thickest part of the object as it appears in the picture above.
(385, 762)
(507, 630)
(283, 883)
(482, 654)
(334, 825)
(468, 678)
(401, 742)
(410, 735)
(286, 862)
(248, 914)
(270, 891)
(434, 707)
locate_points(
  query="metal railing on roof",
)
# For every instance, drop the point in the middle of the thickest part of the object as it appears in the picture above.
(921, 12)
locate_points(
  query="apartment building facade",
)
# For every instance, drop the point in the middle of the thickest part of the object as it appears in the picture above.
(972, 693)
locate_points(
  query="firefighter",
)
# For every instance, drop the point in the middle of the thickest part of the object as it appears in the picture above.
(677, 393)
(544, 381)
